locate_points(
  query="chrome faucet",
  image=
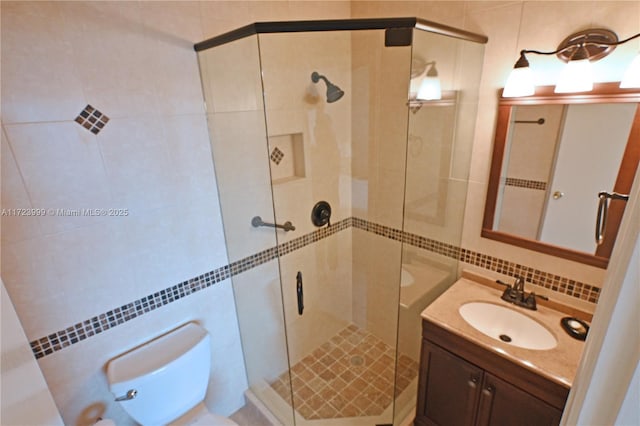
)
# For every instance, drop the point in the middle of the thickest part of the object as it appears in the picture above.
(515, 294)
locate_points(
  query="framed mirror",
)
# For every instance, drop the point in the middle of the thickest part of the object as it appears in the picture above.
(552, 155)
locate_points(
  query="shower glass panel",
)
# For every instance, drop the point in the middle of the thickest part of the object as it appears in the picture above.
(232, 87)
(329, 304)
(438, 161)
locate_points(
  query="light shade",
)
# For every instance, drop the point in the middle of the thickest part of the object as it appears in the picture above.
(519, 83)
(414, 85)
(631, 77)
(576, 76)
(430, 89)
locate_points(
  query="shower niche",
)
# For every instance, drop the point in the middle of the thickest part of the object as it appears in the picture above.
(287, 157)
(279, 147)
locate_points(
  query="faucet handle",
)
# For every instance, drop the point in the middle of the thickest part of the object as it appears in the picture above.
(530, 302)
(539, 296)
(504, 284)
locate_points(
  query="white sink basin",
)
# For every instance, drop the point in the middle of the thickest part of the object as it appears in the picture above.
(507, 325)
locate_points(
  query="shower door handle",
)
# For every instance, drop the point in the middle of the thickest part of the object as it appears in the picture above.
(300, 293)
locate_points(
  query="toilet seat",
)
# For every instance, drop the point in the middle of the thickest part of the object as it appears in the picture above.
(210, 419)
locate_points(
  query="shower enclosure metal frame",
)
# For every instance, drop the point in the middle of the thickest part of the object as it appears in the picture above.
(397, 29)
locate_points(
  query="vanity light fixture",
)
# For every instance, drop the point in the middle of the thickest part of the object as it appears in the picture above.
(425, 84)
(430, 89)
(578, 50)
(631, 77)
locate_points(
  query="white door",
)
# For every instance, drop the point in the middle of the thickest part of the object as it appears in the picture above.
(587, 162)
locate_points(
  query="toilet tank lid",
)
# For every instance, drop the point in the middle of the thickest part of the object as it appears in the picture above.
(155, 354)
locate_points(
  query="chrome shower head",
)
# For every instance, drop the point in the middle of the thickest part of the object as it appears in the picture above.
(333, 92)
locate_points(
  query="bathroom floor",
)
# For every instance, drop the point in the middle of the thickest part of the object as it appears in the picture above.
(351, 375)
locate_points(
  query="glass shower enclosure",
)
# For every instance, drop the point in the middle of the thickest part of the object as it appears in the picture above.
(342, 197)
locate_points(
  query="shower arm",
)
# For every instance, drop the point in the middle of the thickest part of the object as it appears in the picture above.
(316, 77)
(322, 77)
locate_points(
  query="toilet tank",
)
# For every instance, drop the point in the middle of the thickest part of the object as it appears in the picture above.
(169, 373)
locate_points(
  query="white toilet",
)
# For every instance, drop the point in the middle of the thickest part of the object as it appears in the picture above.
(164, 381)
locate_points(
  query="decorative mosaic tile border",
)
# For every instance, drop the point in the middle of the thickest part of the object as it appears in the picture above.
(547, 280)
(526, 183)
(61, 339)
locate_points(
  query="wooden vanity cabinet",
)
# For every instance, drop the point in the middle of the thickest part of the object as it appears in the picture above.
(464, 384)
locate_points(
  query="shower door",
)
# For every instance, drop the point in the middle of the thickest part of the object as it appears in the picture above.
(232, 86)
(339, 275)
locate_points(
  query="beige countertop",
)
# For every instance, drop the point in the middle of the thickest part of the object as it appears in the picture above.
(558, 364)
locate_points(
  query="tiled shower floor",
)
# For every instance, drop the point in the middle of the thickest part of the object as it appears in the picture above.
(351, 375)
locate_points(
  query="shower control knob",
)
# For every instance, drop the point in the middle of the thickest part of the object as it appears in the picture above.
(321, 214)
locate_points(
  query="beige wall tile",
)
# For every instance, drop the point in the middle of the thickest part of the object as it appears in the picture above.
(521, 211)
(188, 147)
(14, 196)
(532, 146)
(121, 87)
(47, 276)
(239, 143)
(136, 158)
(222, 16)
(259, 305)
(39, 79)
(376, 274)
(174, 22)
(326, 272)
(62, 168)
(318, 9)
(231, 78)
(26, 398)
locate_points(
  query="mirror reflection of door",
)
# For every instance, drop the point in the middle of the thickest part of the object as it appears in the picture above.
(557, 158)
(587, 162)
(548, 147)
(528, 160)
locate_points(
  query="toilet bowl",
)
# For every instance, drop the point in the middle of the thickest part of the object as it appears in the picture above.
(164, 381)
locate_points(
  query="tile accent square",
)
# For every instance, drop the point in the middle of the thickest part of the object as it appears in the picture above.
(276, 155)
(92, 119)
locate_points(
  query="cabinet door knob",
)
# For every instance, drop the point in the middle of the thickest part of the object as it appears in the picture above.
(489, 390)
(473, 382)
